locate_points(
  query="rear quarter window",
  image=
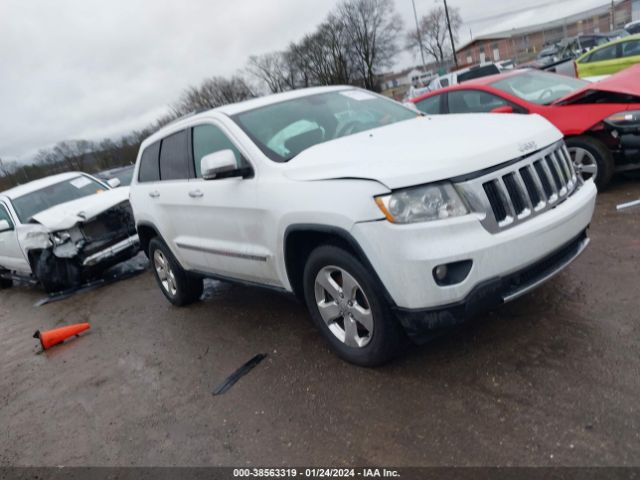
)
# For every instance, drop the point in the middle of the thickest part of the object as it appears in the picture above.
(149, 164)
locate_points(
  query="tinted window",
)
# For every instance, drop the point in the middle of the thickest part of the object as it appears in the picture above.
(631, 49)
(4, 215)
(606, 53)
(430, 105)
(444, 82)
(149, 168)
(473, 101)
(174, 163)
(210, 139)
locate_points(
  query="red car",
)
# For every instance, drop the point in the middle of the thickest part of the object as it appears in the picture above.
(600, 120)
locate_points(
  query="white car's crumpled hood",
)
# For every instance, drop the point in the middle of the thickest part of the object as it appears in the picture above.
(426, 149)
(66, 215)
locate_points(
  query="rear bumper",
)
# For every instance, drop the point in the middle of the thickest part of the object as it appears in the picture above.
(420, 324)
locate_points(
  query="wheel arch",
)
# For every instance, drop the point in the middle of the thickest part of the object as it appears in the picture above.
(301, 239)
(146, 232)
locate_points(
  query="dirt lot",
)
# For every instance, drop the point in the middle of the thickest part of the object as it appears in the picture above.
(552, 379)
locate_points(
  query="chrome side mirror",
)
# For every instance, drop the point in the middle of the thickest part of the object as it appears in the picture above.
(217, 163)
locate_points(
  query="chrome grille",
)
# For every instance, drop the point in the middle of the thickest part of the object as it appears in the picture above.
(523, 189)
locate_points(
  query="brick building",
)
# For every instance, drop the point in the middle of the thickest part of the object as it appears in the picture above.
(523, 44)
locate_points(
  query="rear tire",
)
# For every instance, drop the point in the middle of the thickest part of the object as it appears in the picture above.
(180, 287)
(592, 159)
(349, 307)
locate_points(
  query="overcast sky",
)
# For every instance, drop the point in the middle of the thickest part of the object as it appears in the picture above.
(88, 69)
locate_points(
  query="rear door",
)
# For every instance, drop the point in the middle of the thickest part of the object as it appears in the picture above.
(163, 188)
(11, 256)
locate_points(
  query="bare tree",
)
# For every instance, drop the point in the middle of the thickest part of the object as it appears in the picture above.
(372, 27)
(213, 92)
(435, 36)
(273, 69)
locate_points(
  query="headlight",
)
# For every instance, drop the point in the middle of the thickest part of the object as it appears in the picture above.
(435, 201)
(630, 118)
(60, 237)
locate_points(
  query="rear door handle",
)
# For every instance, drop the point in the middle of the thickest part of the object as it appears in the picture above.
(196, 194)
(154, 194)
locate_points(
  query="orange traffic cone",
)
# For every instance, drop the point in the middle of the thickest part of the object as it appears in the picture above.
(53, 337)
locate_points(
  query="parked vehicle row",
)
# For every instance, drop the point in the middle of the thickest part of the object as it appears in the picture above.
(600, 121)
(382, 221)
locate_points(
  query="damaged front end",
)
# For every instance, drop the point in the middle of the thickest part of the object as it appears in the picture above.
(69, 257)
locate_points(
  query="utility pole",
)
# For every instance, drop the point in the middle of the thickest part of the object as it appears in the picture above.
(612, 22)
(453, 45)
(419, 33)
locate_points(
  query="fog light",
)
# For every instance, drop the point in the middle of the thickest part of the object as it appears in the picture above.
(441, 272)
(452, 273)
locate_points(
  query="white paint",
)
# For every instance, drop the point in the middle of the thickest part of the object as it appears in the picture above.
(239, 224)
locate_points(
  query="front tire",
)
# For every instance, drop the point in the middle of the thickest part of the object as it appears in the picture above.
(180, 287)
(348, 305)
(592, 159)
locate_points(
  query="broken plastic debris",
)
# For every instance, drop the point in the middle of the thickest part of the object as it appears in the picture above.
(235, 376)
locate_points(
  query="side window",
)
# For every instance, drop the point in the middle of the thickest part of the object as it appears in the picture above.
(444, 82)
(149, 167)
(606, 53)
(4, 215)
(430, 105)
(473, 101)
(210, 139)
(631, 49)
(174, 157)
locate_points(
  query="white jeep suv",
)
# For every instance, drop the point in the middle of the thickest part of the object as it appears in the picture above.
(386, 223)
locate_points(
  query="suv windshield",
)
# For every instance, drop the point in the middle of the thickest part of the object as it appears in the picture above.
(33, 203)
(539, 87)
(285, 129)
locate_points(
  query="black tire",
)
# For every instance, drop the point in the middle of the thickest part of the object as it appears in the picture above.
(387, 335)
(602, 155)
(188, 287)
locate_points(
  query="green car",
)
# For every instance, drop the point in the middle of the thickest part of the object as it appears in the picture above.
(610, 58)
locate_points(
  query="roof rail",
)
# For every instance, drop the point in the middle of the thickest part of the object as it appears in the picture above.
(186, 115)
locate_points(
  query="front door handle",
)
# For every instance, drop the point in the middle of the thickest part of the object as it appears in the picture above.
(154, 194)
(196, 194)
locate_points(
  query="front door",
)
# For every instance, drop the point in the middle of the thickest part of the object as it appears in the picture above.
(232, 222)
(11, 256)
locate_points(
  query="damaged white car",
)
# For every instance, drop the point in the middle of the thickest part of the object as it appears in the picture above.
(63, 230)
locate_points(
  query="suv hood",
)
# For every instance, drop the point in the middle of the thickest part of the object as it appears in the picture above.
(66, 215)
(625, 83)
(425, 149)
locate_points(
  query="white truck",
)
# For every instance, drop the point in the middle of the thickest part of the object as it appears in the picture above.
(386, 223)
(64, 229)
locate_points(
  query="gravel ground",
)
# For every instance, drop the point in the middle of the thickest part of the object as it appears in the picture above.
(551, 379)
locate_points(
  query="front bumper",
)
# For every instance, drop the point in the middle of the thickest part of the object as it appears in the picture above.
(111, 252)
(404, 256)
(420, 324)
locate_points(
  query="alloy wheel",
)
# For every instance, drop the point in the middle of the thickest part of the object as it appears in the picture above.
(344, 307)
(165, 273)
(584, 162)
